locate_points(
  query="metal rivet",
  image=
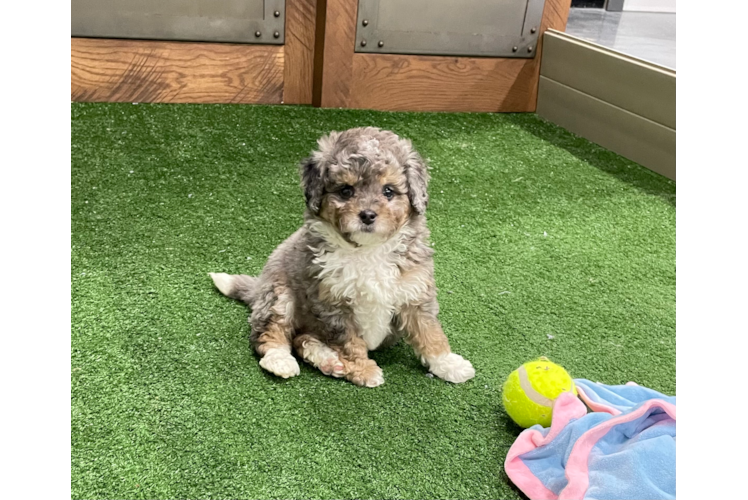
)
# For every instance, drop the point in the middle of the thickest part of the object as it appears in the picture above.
(258, 34)
(363, 43)
(381, 43)
(529, 49)
(515, 49)
(533, 30)
(365, 22)
(277, 13)
(276, 34)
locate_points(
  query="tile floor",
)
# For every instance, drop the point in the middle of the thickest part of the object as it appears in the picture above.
(646, 35)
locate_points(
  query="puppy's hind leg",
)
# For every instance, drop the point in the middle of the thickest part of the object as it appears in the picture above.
(272, 330)
(318, 354)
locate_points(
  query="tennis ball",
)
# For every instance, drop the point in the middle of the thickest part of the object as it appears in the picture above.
(531, 389)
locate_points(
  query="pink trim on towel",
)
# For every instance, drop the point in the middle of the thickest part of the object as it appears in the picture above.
(565, 408)
(594, 405)
(577, 471)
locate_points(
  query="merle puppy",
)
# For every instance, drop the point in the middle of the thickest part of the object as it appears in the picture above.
(358, 274)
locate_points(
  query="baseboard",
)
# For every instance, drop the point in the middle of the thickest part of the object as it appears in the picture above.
(617, 101)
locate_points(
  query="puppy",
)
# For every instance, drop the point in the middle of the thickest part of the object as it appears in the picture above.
(359, 274)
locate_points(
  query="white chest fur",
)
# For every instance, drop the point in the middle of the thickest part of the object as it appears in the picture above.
(369, 279)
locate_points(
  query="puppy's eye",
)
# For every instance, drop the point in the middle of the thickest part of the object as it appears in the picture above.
(388, 192)
(346, 192)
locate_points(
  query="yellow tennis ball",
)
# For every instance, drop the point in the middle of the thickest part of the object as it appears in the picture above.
(530, 390)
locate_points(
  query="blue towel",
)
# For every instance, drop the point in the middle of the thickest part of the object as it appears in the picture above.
(624, 449)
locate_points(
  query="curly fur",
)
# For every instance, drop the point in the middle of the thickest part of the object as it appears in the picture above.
(340, 286)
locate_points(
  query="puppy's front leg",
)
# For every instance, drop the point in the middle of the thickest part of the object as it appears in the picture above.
(358, 367)
(424, 333)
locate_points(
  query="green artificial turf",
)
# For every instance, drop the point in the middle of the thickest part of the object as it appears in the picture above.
(545, 245)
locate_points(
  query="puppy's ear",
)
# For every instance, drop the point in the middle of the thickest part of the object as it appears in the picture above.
(312, 183)
(416, 172)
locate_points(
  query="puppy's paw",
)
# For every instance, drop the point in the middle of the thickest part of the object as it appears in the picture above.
(224, 282)
(369, 375)
(280, 362)
(322, 357)
(332, 366)
(374, 379)
(452, 368)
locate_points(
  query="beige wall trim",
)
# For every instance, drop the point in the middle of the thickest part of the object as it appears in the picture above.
(619, 102)
(634, 85)
(643, 141)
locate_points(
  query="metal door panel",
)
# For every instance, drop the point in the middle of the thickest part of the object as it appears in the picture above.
(242, 21)
(490, 28)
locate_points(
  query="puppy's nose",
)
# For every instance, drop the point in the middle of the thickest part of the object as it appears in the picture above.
(367, 216)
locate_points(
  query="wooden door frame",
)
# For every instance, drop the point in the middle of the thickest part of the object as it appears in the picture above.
(346, 79)
(117, 70)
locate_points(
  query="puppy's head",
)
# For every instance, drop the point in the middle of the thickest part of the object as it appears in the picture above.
(366, 182)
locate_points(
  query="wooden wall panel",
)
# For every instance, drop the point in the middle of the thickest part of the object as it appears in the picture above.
(113, 70)
(299, 51)
(424, 83)
(108, 70)
(427, 83)
(317, 65)
(337, 61)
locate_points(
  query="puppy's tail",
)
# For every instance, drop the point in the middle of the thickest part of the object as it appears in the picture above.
(237, 286)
